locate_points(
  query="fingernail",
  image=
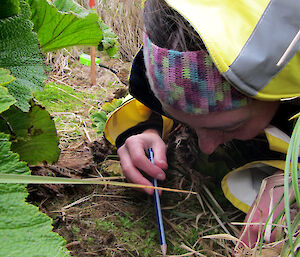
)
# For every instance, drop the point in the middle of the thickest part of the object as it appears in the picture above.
(160, 176)
(163, 165)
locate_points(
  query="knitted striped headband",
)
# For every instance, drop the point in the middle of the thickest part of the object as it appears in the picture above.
(188, 81)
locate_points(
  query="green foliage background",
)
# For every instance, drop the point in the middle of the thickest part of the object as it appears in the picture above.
(27, 132)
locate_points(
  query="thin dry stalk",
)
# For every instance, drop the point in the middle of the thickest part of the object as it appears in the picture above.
(87, 198)
(59, 61)
(263, 186)
(174, 227)
(124, 17)
(180, 202)
(191, 251)
(59, 81)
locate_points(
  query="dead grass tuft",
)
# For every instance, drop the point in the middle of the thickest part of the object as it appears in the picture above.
(124, 17)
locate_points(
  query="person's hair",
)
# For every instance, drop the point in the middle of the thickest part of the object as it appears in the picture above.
(166, 28)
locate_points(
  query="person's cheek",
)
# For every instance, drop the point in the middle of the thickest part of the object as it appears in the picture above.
(244, 133)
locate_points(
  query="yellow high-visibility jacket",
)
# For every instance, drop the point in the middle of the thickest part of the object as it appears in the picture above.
(246, 40)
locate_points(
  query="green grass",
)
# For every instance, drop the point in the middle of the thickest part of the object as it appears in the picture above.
(56, 100)
(105, 225)
(69, 107)
(134, 235)
(143, 237)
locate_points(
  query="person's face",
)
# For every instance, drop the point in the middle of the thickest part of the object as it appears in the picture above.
(217, 128)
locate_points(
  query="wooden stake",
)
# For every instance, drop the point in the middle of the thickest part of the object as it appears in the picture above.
(93, 65)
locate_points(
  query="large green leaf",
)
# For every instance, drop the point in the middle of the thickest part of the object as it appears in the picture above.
(34, 134)
(24, 231)
(59, 29)
(5, 77)
(6, 100)
(20, 54)
(69, 5)
(109, 42)
(9, 8)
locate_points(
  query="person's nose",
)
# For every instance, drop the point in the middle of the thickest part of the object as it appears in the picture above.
(209, 140)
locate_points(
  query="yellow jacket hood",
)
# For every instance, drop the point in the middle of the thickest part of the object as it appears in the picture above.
(247, 40)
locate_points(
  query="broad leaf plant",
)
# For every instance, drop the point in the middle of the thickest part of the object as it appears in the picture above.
(28, 29)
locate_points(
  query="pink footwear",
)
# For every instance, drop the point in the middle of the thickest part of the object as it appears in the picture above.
(270, 193)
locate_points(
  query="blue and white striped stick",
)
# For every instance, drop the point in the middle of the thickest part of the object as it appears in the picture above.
(160, 223)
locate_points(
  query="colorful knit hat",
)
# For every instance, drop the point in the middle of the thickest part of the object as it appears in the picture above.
(188, 81)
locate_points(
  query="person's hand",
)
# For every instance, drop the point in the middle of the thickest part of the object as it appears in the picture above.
(133, 158)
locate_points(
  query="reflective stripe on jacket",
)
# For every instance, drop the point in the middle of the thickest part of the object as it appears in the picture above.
(246, 40)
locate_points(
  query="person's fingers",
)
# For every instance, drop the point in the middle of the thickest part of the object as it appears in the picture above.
(134, 160)
(132, 174)
(158, 146)
(136, 150)
(160, 156)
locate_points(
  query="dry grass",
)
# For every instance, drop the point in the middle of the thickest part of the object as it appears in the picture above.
(67, 73)
(60, 60)
(124, 17)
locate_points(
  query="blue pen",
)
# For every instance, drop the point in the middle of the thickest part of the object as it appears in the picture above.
(160, 223)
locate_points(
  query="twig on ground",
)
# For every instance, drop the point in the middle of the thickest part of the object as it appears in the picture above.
(72, 244)
(86, 132)
(216, 217)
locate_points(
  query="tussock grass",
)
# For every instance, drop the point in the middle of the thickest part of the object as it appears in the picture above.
(124, 17)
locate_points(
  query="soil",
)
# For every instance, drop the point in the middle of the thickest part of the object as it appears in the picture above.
(119, 221)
